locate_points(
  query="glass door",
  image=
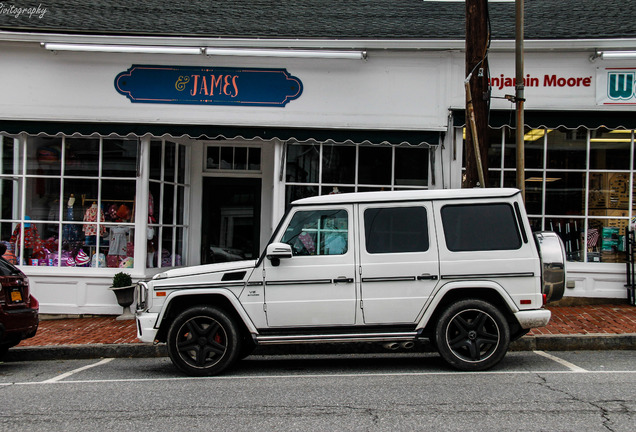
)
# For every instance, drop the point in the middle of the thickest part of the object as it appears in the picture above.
(230, 227)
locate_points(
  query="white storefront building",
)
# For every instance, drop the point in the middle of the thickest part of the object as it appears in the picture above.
(170, 155)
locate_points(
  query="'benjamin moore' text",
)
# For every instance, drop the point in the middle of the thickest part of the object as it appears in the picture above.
(547, 81)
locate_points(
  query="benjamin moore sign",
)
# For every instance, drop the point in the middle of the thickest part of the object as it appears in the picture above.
(208, 85)
(616, 86)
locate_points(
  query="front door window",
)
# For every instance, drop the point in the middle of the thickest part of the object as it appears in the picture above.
(319, 232)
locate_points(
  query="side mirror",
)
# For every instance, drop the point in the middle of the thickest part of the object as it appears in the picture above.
(277, 251)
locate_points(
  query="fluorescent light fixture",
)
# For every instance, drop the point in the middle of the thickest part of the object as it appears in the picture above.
(535, 134)
(540, 179)
(610, 140)
(614, 55)
(210, 51)
(294, 53)
(133, 49)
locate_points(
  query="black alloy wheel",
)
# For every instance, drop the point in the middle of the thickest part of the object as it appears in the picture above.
(472, 335)
(203, 341)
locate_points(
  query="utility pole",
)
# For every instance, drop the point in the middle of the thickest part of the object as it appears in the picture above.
(477, 94)
(519, 99)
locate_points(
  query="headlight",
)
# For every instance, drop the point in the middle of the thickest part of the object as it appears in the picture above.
(141, 296)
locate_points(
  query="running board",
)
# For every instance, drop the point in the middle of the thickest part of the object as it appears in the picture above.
(335, 338)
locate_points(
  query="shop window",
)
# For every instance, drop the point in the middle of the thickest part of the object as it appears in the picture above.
(169, 189)
(303, 165)
(375, 165)
(338, 164)
(411, 167)
(609, 150)
(566, 150)
(75, 205)
(321, 169)
(584, 193)
(233, 158)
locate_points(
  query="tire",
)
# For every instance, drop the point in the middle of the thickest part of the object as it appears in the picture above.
(472, 335)
(203, 341)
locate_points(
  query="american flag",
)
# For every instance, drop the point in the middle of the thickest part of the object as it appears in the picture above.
(592, 237)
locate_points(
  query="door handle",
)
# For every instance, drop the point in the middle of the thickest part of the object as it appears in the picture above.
(343, 279)
(427, 277)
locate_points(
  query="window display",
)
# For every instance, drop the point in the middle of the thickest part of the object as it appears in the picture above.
(74, 193)
(584, 194)
(167, 229)
(321, 169)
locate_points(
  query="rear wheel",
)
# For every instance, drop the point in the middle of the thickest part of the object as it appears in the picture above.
(472, 335)
(203, 341)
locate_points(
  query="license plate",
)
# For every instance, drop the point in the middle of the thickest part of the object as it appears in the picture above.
(16, 296)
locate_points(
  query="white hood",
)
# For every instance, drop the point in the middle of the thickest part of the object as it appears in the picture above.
(207, 268)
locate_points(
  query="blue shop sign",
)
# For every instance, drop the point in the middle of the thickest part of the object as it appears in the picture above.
(208, 85)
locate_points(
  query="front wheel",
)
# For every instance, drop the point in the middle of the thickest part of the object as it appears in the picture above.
(472, 335)
(203, 341)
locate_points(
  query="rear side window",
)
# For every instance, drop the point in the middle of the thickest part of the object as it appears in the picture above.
(395, 230)
(480, 227)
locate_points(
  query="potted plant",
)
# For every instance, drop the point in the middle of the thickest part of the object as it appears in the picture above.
(125, 292)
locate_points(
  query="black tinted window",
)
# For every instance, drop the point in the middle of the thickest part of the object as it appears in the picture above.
(398, 229)
(480, 227)
(7, 269)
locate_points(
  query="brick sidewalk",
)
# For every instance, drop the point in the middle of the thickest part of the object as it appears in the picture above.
(82, 331)
(593, 319)
(582, 320)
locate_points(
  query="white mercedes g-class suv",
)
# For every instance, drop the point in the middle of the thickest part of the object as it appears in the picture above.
(458, 267)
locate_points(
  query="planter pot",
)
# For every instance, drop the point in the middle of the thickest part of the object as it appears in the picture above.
(125, 297)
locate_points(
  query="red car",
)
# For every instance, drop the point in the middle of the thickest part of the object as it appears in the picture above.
(18, 308)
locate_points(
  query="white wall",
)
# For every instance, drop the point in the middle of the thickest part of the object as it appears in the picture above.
(541, 92)
(389, 90)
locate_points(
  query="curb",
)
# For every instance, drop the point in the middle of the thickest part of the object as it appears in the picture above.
(589, 342)
(89, 351)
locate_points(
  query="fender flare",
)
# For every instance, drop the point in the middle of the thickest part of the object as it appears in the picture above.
(234, 301)
(440, 293)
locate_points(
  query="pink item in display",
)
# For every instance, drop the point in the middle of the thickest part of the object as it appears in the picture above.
(82, 259)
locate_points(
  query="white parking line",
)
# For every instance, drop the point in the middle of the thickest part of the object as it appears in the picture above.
(567, 364)
(308, 376)
(322, 376)
(73, 372)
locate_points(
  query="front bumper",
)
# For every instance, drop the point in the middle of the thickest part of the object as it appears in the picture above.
(533, 318)
(146, 331)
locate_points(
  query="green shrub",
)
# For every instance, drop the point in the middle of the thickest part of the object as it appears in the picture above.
(122, 279)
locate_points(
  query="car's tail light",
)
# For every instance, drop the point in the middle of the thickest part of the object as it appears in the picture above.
(34, 303)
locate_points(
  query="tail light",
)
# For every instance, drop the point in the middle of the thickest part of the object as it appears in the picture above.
(34, 303)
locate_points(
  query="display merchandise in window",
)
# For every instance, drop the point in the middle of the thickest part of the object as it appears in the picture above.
(33, 248)
(584, 191)
(92, 235)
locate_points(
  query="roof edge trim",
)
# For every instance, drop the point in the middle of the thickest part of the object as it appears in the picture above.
(403, 44)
